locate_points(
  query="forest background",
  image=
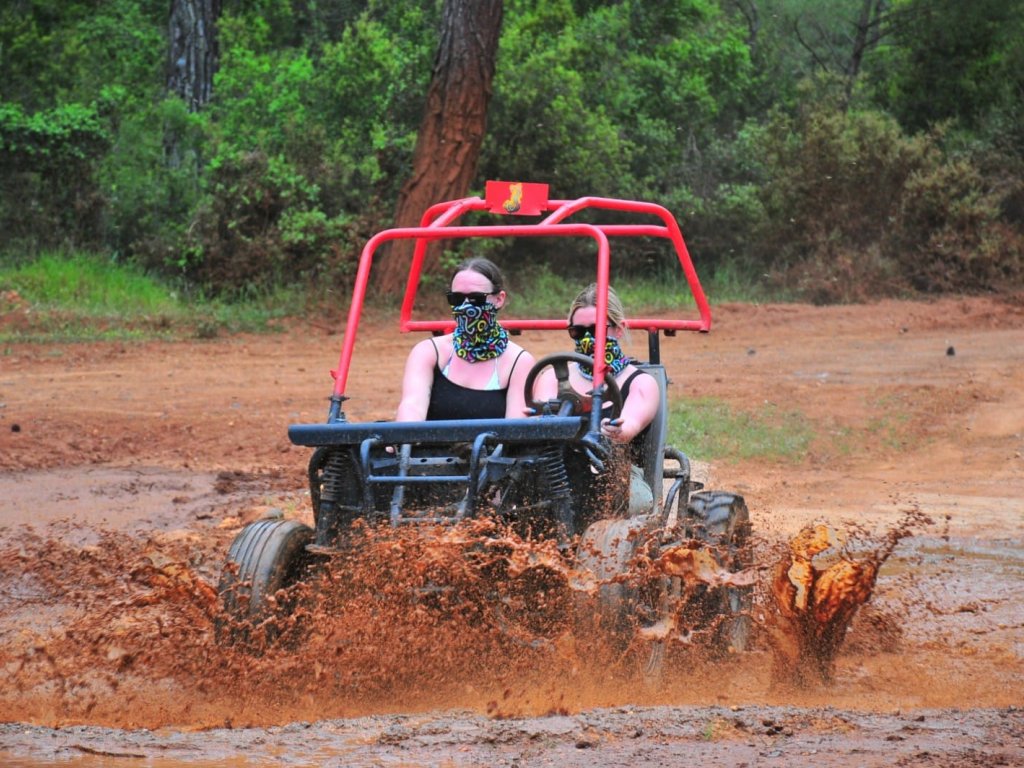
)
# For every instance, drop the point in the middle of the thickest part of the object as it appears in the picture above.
(828, 150)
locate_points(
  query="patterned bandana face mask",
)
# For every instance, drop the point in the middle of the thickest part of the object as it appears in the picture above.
(614, 359)
(478, 336)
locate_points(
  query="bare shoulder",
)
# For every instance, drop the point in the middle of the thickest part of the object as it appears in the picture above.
(517, 355)
(427, 351)
(515, 350)
(644, 382)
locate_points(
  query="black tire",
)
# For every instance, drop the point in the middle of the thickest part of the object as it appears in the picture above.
(607, 549)
(722, 520)
(266, 557)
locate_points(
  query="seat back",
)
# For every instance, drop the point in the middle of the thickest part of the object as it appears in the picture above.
(649, 446)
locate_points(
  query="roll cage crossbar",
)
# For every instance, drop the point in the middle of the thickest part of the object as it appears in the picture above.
(505, 198)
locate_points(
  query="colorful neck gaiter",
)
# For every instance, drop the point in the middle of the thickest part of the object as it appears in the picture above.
(478, 335)
(614, 359)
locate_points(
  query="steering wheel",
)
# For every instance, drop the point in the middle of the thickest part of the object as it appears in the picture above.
(566, 394)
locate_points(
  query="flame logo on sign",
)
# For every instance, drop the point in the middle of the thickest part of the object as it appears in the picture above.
(515, 197)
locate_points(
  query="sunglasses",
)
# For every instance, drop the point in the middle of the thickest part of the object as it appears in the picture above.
(577, 332)
(477, 299)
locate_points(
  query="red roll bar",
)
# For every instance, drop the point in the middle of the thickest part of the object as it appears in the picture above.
(516, 198)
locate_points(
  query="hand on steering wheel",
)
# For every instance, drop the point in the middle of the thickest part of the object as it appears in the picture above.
(566, 394)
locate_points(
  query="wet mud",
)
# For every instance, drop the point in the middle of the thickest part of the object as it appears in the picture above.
(887, 625)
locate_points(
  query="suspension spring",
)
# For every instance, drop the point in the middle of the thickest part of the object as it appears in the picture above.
(555, 473)
(335, 478)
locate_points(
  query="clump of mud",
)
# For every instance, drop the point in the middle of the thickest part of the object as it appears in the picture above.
(816, 586)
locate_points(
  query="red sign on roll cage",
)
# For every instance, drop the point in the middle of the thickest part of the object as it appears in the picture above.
(524, 199)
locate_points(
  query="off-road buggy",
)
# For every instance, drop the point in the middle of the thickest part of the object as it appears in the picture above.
(525, 472)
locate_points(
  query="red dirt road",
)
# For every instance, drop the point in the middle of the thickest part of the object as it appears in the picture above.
(121, 461)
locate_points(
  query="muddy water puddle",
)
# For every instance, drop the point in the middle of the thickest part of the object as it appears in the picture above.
(708, 736)
(135, 499)
(971, 590)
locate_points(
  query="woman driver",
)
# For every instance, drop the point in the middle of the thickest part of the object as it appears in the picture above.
(641, 397)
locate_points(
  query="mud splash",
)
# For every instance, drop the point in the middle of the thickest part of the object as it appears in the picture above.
(473, 617)
(114, 633)
(815, 589)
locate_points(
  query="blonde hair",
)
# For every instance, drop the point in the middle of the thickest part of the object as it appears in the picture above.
(588, 298)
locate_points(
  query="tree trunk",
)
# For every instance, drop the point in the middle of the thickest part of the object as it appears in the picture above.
(866, 36)
(448, 144)
(193, 56)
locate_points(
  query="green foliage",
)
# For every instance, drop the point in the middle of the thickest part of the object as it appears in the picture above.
(151, 199)
(948, 234)
(615, 101)
(235, 238)
(71, 70)
(370, 86)
(56, 51)
(303, 145)
(67, 133)
(81, 296)
(48, 192)
(854, 208)
(782, 148)
(610, 102)
(951, 60)
(707, 428)
(834, 180)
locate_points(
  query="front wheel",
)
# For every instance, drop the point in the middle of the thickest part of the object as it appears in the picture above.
(265, 560)
(625, 602)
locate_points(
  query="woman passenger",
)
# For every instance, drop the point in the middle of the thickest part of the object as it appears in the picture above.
(475, 372)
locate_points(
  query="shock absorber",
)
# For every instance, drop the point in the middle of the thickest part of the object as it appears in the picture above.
(559, 492)
(331, 486)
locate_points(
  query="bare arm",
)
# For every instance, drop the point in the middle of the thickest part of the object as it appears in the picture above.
(417, 382)
(637, 412)
(515, 402)
(545, 386)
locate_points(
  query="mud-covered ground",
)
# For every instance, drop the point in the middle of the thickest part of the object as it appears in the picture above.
(126, 470)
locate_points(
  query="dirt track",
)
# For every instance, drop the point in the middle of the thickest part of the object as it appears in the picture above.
(121, 461)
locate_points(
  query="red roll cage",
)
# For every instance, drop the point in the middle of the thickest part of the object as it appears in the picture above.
(523, 199)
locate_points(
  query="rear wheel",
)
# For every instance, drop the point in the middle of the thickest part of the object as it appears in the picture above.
(722, 520)
(266, 559)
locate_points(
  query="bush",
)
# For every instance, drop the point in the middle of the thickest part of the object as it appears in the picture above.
(948, 236)
(152, 181)
(854, 208)
(48, 191)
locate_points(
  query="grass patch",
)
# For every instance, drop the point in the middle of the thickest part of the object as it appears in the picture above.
(84, 297)
(892, 425)
(88, 285)
(543, 293)
(707, 428)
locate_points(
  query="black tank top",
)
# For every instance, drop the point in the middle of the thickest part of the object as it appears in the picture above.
(449, 400)
(624, 389)
(636, 444)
